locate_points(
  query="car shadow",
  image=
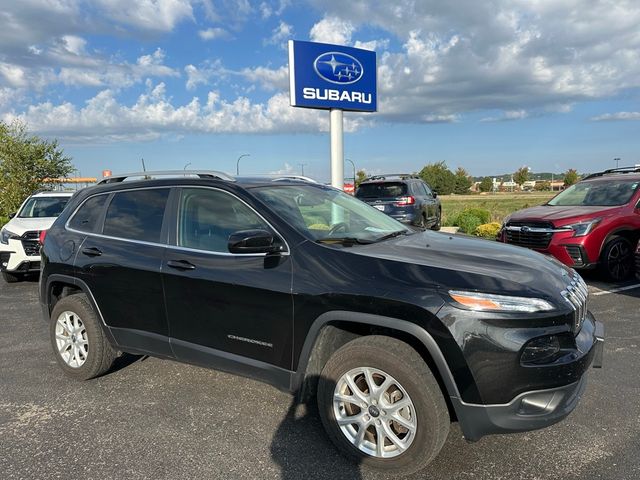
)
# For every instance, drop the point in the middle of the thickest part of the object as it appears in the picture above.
(302, 449)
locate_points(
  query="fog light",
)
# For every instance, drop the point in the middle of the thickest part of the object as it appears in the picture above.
(540, 350)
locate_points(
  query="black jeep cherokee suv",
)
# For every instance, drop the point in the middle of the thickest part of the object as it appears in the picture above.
(302, 286)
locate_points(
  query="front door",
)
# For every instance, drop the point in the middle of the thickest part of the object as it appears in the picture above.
(228, 311)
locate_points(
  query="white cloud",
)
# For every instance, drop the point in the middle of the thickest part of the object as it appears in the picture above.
(213, 33)
(607, 117)
(332, 29)
(508, 116)
(103, 118)
(287, 169)
(516, 56)
(280, 35)
(152, 15)
(268, 78)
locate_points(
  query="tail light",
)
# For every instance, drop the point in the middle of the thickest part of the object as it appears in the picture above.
(42, 236)
(409, 200)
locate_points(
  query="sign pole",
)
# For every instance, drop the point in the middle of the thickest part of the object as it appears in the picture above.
(337, 149)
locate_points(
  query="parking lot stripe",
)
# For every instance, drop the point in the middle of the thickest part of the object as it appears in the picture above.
(616, 290)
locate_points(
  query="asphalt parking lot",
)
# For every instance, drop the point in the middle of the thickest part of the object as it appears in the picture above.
(160, 419)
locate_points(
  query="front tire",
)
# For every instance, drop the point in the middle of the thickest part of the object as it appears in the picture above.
(617, 259)
(77, 338)
(381, 405)
(11, 277)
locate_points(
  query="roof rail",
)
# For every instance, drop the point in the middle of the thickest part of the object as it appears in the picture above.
(387, 175)
(634, 169)
(168, 173)
(302, 178)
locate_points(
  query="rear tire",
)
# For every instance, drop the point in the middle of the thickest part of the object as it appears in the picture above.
(438, 223)
(12, 277)
(617, 259)
(77, 338)
(401, 377)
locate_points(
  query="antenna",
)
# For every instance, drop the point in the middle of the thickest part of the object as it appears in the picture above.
(144, 169)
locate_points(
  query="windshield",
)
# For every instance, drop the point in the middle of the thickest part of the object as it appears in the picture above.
(325, 214)
(596, 194)
(37, 207)
(381, 190)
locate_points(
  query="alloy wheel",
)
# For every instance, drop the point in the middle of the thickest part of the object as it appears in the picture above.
(374, 412)
(619, 260)
(71, 339)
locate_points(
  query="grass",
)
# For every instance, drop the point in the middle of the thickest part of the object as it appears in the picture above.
(3, 220)
(499, 205)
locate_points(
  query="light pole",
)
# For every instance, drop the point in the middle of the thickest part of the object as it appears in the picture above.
(238, 162)
(302, 168)
(354, 171)
(616, 160)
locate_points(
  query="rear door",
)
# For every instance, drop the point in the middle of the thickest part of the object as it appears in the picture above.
(229, 311)
(120, 260)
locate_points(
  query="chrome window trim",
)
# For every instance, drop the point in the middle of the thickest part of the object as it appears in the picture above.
(177, 247)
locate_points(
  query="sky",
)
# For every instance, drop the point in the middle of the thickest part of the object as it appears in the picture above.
(489, 86)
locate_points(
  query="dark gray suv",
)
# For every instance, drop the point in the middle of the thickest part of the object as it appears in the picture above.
(404, 197)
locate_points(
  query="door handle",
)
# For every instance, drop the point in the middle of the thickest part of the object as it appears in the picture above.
(181, 265)
(91, 252)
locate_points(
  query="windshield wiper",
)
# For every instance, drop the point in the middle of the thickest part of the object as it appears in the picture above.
(391, 235)
(344, 240)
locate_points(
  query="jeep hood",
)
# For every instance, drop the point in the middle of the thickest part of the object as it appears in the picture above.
(463, 262)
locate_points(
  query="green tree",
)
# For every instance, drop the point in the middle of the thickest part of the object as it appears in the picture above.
(26, 162)
(570, 177)
(521, 175)
(463, 182)
(360, 176)
(486, 185)
(441, 179)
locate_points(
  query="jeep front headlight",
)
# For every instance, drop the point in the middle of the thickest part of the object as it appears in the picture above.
(488, 302)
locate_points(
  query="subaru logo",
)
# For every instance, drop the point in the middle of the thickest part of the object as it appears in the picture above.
(340, 68)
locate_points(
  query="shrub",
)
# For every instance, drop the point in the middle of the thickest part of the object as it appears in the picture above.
(483, 215)
(488, 230)
(3, 220)
(468, 222)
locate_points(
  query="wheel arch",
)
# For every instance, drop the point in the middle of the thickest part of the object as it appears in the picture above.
(627, 231)
(332, 330)
(58, 286)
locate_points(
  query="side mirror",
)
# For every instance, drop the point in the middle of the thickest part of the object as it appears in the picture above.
(11, 215)
(435, 194)
(253, 241)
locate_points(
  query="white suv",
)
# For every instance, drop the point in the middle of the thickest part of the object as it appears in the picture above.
(19, 247)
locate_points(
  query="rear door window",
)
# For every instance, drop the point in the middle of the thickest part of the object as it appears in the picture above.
(382, 190)
(88, 215)
(137, 215)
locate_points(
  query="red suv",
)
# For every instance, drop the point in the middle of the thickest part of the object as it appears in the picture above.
(595, 222)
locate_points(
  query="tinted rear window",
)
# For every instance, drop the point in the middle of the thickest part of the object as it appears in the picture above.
(381, 190)
(136, 215)
(87, 217)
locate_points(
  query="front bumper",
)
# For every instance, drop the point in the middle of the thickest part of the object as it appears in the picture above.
(530, 410)
(13, 258)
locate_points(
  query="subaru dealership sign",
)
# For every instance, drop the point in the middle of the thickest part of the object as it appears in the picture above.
(332, 77)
